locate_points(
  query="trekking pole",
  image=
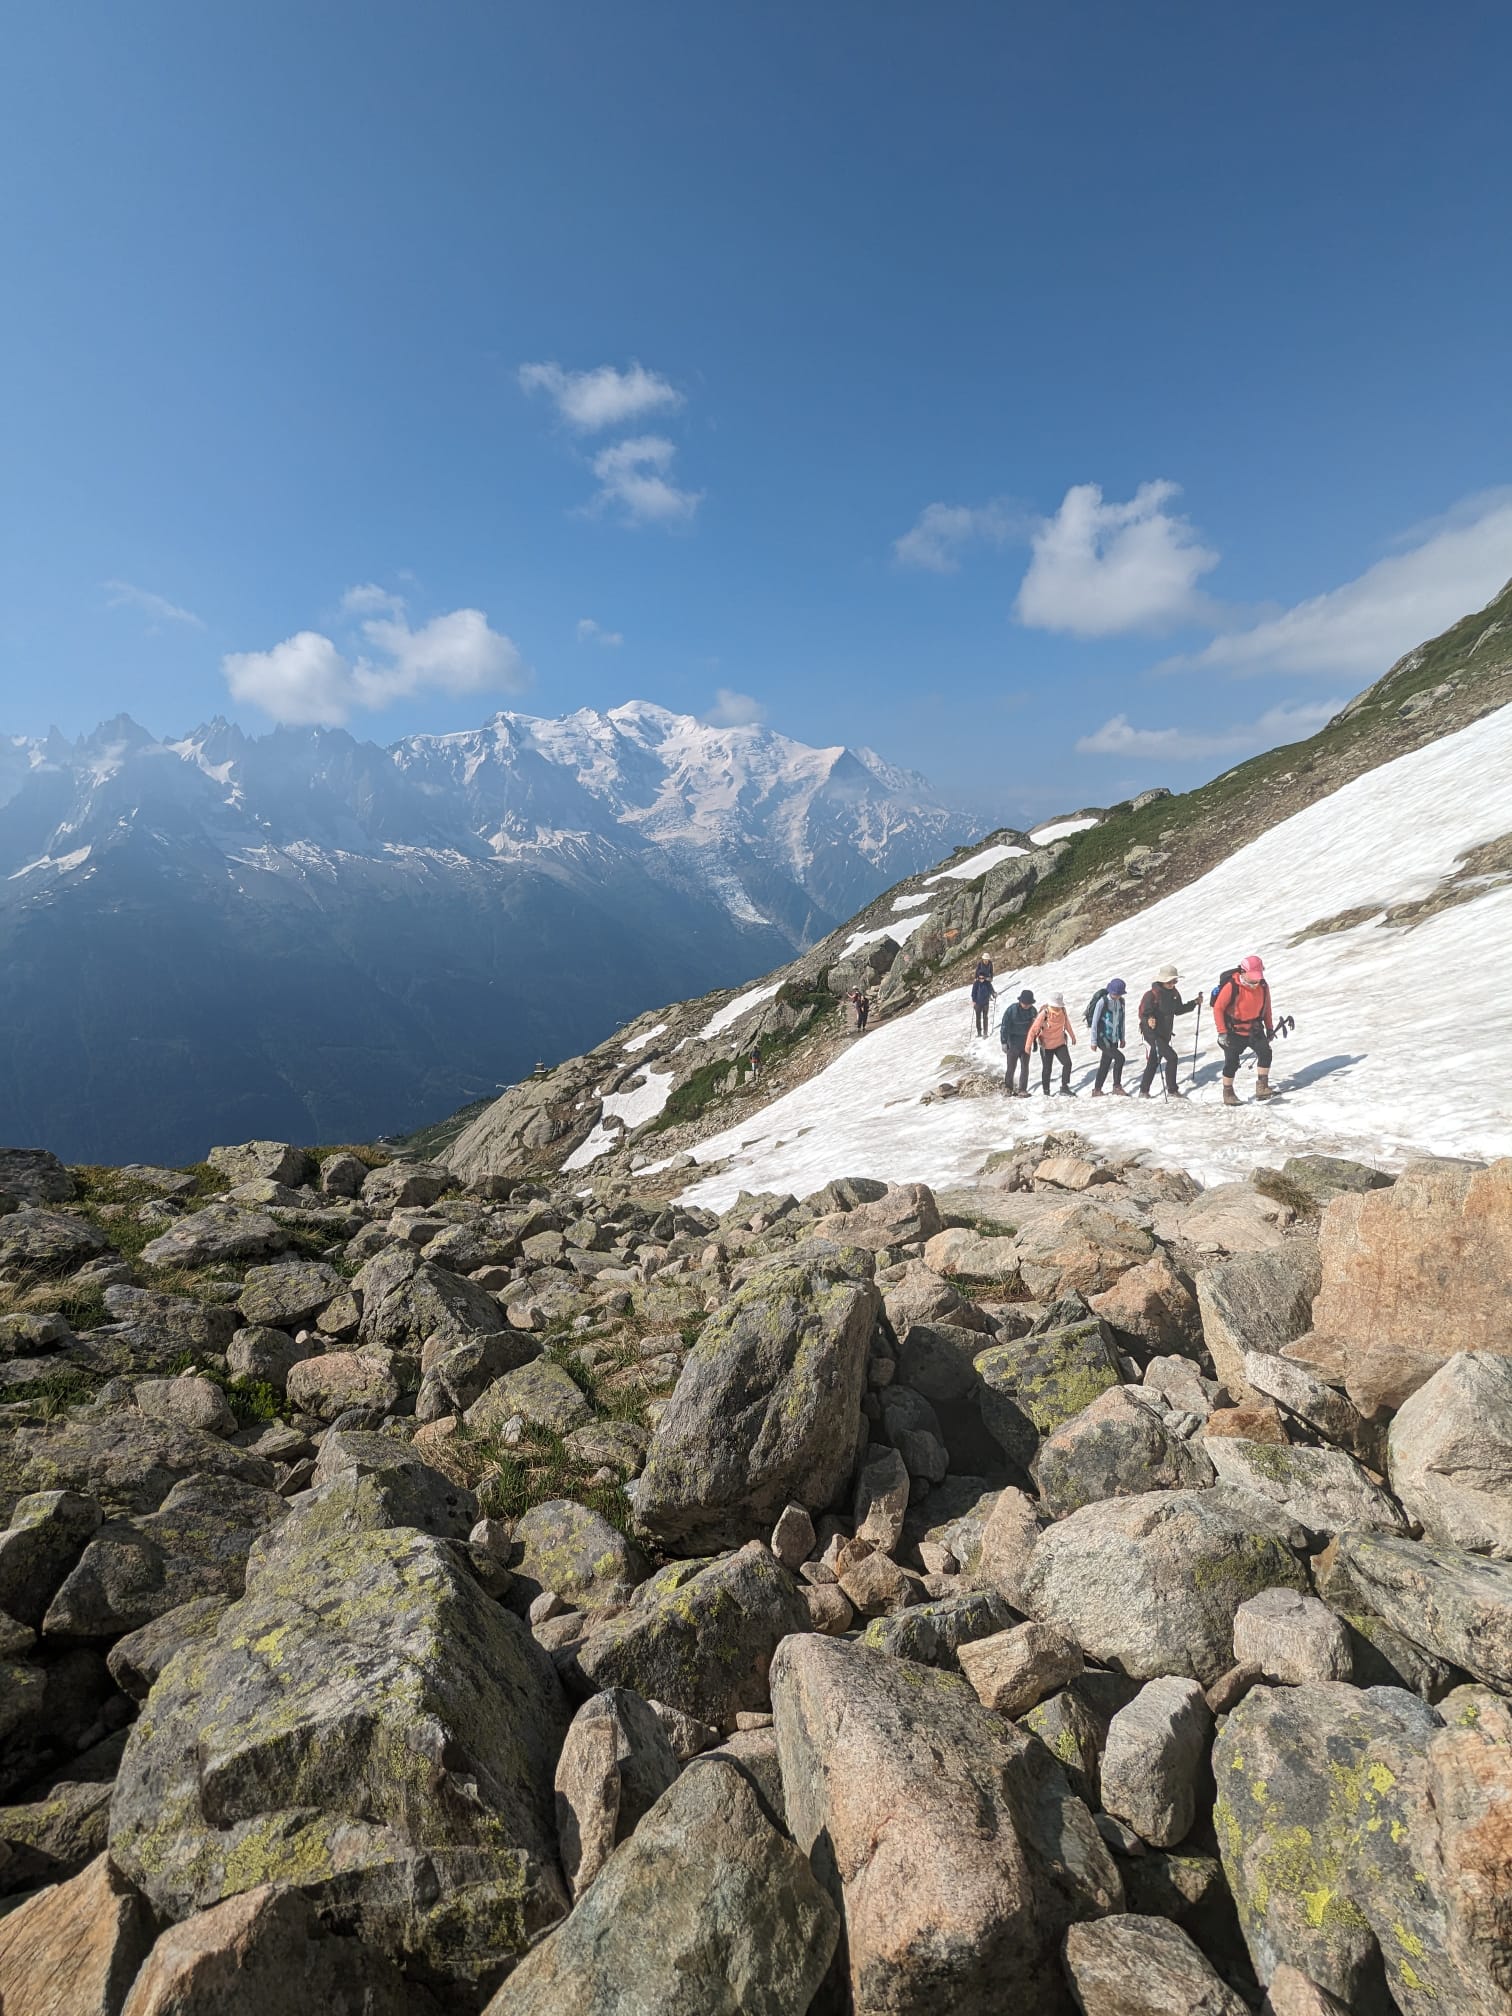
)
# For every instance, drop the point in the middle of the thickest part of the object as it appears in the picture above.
(1196, 1034)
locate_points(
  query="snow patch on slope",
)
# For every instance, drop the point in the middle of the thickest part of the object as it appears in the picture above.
(1394, 1053)
(977, 864)
(899, 933)
(1060, 829)
(733, 1010)
(635, 1108)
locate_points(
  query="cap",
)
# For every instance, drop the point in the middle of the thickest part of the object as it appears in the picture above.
(1252, 968)
(1116, 987)
(1168, 973)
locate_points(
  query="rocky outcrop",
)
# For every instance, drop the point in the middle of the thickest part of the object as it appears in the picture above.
(766, 1411)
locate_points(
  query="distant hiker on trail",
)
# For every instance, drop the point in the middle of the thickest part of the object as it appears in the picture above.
(1243, 1018)
(1157, 1018)
(1013, 1034)
(1052, 1030)
(756, 1060)
(1105, 1018)
(983, 994)
(862, 1006)
(983, 967)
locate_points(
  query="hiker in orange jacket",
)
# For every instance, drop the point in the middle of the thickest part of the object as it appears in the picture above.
(1052, 1030)
(1243, 1018)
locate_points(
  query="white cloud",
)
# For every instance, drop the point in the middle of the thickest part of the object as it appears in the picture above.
(632, 478)
(302, 681)
(605, 397)
(1187, 745)
(306, 679)
(1363, 627)
(941, 532)
(368, 599)
(589, 632)
(122, 595)
(734, 710)
(1100, 569)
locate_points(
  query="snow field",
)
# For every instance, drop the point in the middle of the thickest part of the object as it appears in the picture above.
(1401, 1046)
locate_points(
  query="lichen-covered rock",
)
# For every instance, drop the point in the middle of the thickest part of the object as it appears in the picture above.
(902, 1215)
(47, 1534)
(1134, 1966)
(289, 1293)
(190, 1398)
(1150, 1584)
(1357, 1835)
(136, 1660)
(159, 1327)
(614, 1766)
(922, 1296)
(1032, 1385)
(257, 1352)
(540, 1393)
(194, 1545)
(126, 1464)
(74, 1949)
(1012, 1671)
(272, 1161)
(766, 1411)
(48, 1242)
(706, 1910)
(1455, 1605)
(933, 1633)
(963, 1255)
(332, 1381)
(951, 1839)
(561, 1545)
(406, 1299)
(1116, 1448)
(703, 1645)
(35, 1175)
(221, 1231)
(367, 1726)
(459, 1374)
(1074, 1734)
(1322, 1488)
(266, 1950)
(1450, 1454)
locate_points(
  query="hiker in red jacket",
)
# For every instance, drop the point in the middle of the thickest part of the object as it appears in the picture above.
(1244, 1021)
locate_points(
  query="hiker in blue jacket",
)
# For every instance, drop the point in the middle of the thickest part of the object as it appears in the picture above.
(1013, 1034)
(1105, 1018)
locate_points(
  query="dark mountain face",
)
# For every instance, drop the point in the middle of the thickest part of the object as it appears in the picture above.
(306, 936)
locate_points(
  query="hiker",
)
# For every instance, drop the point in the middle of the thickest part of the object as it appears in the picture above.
(1013, 1034)
(983, 994)
(862, 1007)
(1244, 1021)
(756, 1060)
(1105, 1019)
(1052, 1030)
(1157, 1016)
(983, 967)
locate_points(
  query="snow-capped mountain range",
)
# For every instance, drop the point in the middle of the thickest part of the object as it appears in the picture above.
(306, 935)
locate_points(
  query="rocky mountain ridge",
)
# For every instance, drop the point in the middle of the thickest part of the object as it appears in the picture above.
(303, 932)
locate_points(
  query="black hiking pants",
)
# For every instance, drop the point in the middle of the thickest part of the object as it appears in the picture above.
(981, 1017)
(1234, 1048)
(1017, 1059)
(1047, 1065)
(1112, 1059)
(1161, 1052)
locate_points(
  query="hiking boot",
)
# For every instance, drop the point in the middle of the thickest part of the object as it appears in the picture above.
(1096, 1092)
(1230, 1098)
(1262, 1086)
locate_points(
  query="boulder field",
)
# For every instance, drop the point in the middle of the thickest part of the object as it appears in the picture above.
(1078, 1593)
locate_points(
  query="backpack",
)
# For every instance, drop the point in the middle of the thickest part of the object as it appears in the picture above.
(1093, 1007)
(1228, 973)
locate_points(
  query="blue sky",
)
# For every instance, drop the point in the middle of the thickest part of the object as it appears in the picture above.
(1060, 400)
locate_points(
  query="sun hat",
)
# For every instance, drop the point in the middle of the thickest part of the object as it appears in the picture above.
(1168, 973)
